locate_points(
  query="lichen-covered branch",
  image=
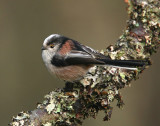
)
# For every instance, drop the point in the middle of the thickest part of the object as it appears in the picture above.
(101, 85)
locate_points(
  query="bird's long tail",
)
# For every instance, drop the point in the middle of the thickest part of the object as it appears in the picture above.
(128, 64)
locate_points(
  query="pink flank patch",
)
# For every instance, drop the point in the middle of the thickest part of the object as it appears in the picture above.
(66, 48)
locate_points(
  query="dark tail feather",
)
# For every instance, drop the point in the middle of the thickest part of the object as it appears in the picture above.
(127, 63)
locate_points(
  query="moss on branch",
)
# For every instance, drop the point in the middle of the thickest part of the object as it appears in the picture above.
(101, 86)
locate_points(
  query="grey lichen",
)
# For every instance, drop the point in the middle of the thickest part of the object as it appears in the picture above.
(100, 87)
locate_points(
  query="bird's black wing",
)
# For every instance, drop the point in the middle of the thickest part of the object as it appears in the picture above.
(108, 61)
(89, 51)
(80, 57)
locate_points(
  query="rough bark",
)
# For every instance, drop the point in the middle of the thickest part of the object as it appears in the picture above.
(101, 85)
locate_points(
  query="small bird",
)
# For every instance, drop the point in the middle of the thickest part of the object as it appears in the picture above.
(70, 61)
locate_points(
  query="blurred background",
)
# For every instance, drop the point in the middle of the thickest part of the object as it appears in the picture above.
(24, 80)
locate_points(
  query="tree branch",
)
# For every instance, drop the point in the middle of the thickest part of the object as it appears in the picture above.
(101, 85)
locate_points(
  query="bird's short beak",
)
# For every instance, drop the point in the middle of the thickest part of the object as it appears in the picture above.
(43, 48)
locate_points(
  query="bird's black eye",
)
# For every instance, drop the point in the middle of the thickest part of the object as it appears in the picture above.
(51, 45)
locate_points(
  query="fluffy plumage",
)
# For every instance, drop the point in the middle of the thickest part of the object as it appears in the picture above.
(70, 60)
